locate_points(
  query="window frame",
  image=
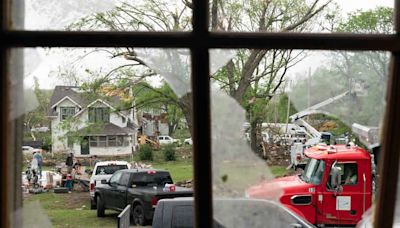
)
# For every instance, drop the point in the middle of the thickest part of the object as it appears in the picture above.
(199, 41)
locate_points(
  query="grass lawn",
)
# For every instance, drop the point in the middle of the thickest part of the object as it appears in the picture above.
(65, 210)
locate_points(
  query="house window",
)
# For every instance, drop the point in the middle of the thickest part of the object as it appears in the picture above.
(102, 141)
(99, 115)
(112, 140)
(109, 141)
(93, 141)
(66, 112)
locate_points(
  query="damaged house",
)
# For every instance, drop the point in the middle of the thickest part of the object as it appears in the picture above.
(88, 125)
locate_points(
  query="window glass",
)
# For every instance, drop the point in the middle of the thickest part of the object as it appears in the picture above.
(182, 217)
(325, 106)
(67, 112)
(326, 16)
(348, 174)
(99, 115)
(115, 179)
(93, 15)
(93, 141)
(124, 180)
(112, 140)
(109, 169)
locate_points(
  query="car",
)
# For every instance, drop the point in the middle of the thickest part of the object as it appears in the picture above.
(179, 212)
(188, 141)
(165, 140)
(27, 149)
(103, 171)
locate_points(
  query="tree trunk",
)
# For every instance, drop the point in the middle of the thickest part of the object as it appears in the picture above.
(185, 103)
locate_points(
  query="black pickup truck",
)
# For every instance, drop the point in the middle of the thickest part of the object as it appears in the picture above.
(141, 188)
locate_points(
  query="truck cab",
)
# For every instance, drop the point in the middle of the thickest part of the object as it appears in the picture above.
(334, 189)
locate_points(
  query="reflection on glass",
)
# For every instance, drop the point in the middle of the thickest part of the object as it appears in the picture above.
(302, 16)
(114, 15)
(296, 128)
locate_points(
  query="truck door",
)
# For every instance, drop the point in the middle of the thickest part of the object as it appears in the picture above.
(341, 199)
(111, 194)
(122, 188)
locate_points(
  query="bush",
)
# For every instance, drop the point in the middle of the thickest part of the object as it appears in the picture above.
(145, 153)
(169, 153)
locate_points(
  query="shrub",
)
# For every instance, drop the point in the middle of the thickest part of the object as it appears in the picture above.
(169, 153)
(145, 153)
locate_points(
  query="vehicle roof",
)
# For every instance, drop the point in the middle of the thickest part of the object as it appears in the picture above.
(139, 170)
(337, 152)
(111, 162)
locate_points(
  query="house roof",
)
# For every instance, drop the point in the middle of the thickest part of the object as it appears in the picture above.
(106, 129)
(77, 96)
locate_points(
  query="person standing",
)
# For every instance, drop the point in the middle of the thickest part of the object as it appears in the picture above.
(39, 158)
(70, 162)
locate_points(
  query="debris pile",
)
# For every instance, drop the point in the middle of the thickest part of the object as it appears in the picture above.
(185, 184)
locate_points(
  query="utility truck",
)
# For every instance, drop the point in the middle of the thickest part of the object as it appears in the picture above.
(334, 189)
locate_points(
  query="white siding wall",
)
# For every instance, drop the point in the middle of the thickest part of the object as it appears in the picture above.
(103, 151)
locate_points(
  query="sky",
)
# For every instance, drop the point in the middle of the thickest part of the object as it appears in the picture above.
(44, 63)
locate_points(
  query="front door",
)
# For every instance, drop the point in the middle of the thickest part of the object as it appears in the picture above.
(85, 145)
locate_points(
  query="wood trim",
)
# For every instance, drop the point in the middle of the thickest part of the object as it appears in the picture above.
(310, 41)
(389, 159)
(202, 117)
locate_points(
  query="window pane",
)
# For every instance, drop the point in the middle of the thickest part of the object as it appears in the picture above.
(276, 112)
(93, 15)
(325, 16)
(103, 87)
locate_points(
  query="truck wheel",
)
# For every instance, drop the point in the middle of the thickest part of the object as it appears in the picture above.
(138, 215)
(100, 207)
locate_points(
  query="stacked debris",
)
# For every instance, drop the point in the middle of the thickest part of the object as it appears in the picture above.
(185, 184)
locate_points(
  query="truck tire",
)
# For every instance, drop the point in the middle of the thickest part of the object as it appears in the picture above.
(100, 207)
(138, 215)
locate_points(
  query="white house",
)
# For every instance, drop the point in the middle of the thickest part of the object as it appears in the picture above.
(86, 125)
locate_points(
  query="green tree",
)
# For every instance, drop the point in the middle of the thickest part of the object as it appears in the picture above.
(38, 116)
(252, 74)
(350, 71)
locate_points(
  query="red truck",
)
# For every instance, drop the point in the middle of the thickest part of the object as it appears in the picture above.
(334, 189)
